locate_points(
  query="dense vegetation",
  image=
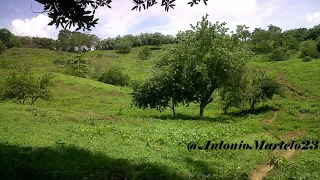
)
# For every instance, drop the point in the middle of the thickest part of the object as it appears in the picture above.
(92, 129)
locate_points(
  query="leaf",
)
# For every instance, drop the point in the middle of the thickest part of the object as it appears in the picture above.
(51, 23)
(135, 7)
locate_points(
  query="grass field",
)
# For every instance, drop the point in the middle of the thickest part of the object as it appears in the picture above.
(91, 131)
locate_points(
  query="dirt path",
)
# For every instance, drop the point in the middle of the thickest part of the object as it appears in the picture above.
(262, 170)
(275, 114)
(282, 80)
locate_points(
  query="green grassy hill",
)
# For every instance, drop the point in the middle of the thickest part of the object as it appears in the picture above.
(91, 131)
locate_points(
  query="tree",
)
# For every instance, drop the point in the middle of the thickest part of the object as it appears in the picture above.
(27, 42)
(300, 34)
(8, 39)
(74, 12)
(243, 33)
(279, 54)
(124, 46)
(5, 36)
(64, 38)
(292, 43)
(2, 47)
(22, 86)
(309, 48)
(159, 92)
(249, 90)
(212, 59)
(43, 43)
(80, 40)
(78, 66)
(145, 53)
(205, 58)
(261, 42)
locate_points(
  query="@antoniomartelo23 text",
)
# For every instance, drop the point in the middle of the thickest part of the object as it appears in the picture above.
(256, 145)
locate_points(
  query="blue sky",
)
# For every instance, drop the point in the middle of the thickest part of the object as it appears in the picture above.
(17, 16)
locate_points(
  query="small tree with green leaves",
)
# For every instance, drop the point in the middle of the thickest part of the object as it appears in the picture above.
(279, 54)
(249, 90)
(19, 87)
(78, 66)
(210, 58)
(145, 53)
(162, 90)
(309, 48)
(124, 46)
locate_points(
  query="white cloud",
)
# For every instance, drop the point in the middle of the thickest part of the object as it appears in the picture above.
(37, 26)
(121, 20)
(313, 19)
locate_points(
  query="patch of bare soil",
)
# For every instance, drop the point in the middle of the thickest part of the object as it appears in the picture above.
(282, 80)
(294, 134)
(262, 170)
(275, 114)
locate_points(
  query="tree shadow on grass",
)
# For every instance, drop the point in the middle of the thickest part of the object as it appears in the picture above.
(222, 118)
(259, 110)
(70, 162)
(155, 48)
(219, 118)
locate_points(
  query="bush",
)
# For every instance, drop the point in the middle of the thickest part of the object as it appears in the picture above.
(124, 46)
(23, 86)
(306, 59)
(78, 66)
(114, 76)
(254, 88)
(309, 48)
(2, 47)
(145, 53)
(279, 54)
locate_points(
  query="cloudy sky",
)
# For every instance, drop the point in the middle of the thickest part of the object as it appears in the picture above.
(17, 16)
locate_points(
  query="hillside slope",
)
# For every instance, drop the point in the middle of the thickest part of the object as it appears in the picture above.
(91, 131)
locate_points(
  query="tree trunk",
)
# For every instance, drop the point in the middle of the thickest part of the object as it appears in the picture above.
(252, 106)
(204, 103)
(201, 112)
(172, 107)
(33, 100)
(173, 111)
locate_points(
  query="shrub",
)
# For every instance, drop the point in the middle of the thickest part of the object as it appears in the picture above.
(22, 86)
(114, 76)
(124, 46)
(306, 59)
(279, 54)
(309, 48)
(145, 53)
(254, 88)
(2, 47)
(78, 66)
